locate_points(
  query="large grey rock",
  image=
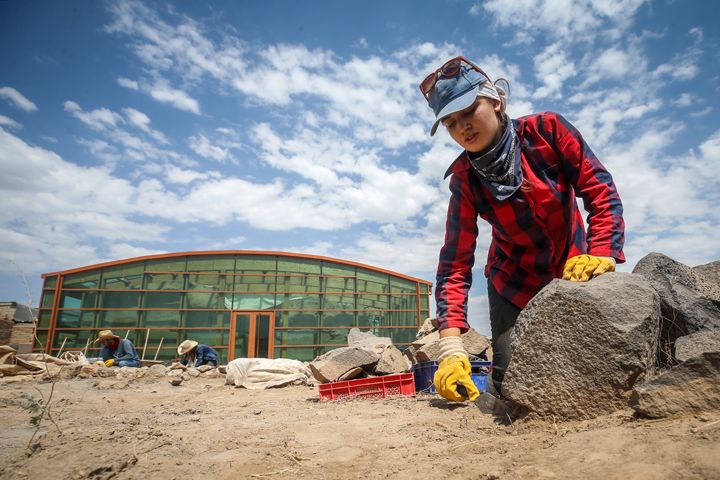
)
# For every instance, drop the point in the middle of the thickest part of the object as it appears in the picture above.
(335, 363)
(692, 386)
(711, 271)
(579, 348)
(357, 338)
(431, 337)
(689, 300)
(391, 361)
(696, 344)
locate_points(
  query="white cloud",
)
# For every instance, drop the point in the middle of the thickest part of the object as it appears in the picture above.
(179, 99)
(553, 68)
(9, 122)
(579, 20)
(175, 174)
(142, 121)
(127, 83)
(684, 100)
(18, 99)
(99, 119)
(202, 146)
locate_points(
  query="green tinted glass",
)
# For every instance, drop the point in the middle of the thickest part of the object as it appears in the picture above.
(252, 301)
(41, 340)
(69, 319)
(338, 302)
(163, 299)
(338, 319)
(118, 319)
(211, 263)
(370, 302)
(44, 319)
(338, 285)
(402, 318)
(208, 300)
(372, 282)
(334, 337)
(209, 281)
(50, 282)
(424, 300)
(300, 301)
(297, 319)
(174, 264)
(337, 269)
(298, 283)
(400, 335)
(400, 285)
(123, 278)
(206, 319)
(164, 281)
(255, 263)
(254, 283)
(78, 299)
(89, 279)
(161, 318)
(120, 299)
(47, 299)
(304, 354)
(298, 265)
(296, 337)
(371, 319)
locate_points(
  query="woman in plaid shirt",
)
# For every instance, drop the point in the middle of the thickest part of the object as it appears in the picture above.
(522, 176)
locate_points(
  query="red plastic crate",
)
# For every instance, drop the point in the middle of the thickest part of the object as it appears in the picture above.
(376, 387)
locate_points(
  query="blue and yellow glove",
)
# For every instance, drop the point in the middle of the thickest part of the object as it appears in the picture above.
(582, 268)
(454, 369)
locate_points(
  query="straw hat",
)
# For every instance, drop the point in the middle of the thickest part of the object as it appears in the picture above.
(105, 334)
(186, 346)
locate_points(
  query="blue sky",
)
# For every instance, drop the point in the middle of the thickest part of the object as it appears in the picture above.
(131, 128)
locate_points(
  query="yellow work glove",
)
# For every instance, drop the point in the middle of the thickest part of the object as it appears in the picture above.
(582, 268)
(451, 371)
(109, 363)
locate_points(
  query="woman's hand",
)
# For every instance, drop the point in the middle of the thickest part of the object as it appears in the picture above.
(582, 268)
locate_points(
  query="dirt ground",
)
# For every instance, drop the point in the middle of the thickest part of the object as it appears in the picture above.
(146, 428)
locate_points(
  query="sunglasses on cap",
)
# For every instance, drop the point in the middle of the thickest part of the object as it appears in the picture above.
(449, 69)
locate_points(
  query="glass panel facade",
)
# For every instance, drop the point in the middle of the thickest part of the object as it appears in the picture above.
(82, 280)
(299, 306)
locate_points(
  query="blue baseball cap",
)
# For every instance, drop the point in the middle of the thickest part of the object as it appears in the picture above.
(455, 93)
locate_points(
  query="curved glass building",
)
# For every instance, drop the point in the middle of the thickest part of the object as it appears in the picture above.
(242, 303)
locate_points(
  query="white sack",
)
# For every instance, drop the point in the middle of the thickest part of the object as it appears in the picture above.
(259, 373)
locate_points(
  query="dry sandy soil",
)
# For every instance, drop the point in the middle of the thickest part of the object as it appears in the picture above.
(109, 428)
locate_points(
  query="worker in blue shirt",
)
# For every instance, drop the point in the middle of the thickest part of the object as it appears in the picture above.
(116, 351)
(194, 351)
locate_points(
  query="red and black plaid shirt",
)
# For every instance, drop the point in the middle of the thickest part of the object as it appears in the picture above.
(535, 230)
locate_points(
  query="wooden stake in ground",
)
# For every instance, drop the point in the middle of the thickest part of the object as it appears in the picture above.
(126, 334)
(158, 349)
(61, 347)
(87, 344)
(145, 346)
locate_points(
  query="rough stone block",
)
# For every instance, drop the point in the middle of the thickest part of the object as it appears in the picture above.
(431, 337)
(476, 344)
(691, 386)
(689, 300)
(157, 371)
(580, 348)
(335, 363)
(391, 361)
(106, 372)
(193, 372)
(696, 344)
(357, 338)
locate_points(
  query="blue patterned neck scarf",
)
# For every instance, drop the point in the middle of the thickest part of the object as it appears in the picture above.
(499, 168)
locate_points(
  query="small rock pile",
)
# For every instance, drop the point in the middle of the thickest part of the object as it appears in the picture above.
(367, 355)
